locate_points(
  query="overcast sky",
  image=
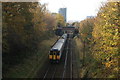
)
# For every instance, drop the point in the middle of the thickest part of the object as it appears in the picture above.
(77, 10)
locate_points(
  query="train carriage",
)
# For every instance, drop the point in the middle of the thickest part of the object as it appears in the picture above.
(57, 49)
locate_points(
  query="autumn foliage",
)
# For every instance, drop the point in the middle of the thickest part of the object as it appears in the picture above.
(103, 36)
(106, 37)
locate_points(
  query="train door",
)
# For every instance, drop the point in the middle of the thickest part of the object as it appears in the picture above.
(54, 55)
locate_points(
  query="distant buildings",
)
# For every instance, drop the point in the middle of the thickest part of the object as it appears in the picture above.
(62, 11)
(90, 16)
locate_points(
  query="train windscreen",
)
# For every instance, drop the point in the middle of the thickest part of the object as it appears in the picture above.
(54, 52)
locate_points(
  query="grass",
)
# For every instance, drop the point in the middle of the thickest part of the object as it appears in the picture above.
(79, 53)
(33, 63)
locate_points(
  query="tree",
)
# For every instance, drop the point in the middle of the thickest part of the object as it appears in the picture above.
(106, 37)
(86, 27)
(50, 20)
(23, 27)
(60, 20)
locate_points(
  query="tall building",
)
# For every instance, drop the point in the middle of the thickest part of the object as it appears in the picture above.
(62, 11)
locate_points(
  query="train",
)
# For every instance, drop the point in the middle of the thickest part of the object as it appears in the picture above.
(57, 49)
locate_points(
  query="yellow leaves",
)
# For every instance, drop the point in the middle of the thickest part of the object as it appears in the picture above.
(106, 37)
(116, 69)
(116, 37)
(104, 16)
(115, 3)
(107, 64)
(110, 64)
(114, 9)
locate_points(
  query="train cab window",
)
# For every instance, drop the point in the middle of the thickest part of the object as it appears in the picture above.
(54, 53)
(51, 52)
(58, 53)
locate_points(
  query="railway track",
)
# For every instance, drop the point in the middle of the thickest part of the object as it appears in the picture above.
(71, 61)
(56, 70)
(50, 73)
(65, 61)
(63, 69)
(68, 61)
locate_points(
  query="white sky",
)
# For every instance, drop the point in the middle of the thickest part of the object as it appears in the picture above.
(77, 10)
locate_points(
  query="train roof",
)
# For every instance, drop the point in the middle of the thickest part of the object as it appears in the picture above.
(58, 45)
(64, 36)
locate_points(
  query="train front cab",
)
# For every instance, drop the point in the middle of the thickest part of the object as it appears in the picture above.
(54, 56)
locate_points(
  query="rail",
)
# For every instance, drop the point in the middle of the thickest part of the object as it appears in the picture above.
(65, 61)
(52, 76)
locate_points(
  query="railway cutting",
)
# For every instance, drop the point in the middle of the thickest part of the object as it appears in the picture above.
(59, 63)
